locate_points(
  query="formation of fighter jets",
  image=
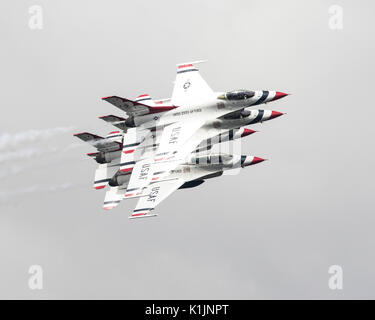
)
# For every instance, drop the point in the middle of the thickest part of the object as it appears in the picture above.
(164, 145)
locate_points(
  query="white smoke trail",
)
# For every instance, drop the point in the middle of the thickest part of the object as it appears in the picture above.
(23, 145)
(59, 187)
(14, 155)
(13, 140)
(10, 170)
(6, 196)
(22, 150)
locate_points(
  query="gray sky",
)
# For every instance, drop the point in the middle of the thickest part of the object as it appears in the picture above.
(270, 232)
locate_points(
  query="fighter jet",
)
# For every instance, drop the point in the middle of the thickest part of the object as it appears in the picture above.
(162, 140)
(196, 170)
(111, 172)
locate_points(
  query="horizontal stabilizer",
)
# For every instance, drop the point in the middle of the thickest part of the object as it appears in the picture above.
(116, 121)
(88, 137)
(112, 142)
(134, 108)
(111, 118)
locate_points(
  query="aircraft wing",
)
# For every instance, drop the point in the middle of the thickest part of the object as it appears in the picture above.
(173, 148)
(156, 193)
(135, 108)
(189, 87)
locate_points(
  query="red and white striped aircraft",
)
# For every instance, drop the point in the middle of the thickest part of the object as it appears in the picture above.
(163, 145)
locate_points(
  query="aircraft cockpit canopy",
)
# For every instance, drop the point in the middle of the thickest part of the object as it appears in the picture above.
(237, 95)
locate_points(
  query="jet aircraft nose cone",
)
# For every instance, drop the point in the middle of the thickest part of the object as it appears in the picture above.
(247, 132)
(279, 95)
(257, 160)
(275, 114)
(250, 160)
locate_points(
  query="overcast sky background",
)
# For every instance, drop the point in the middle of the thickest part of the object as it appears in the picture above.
(270, 232)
